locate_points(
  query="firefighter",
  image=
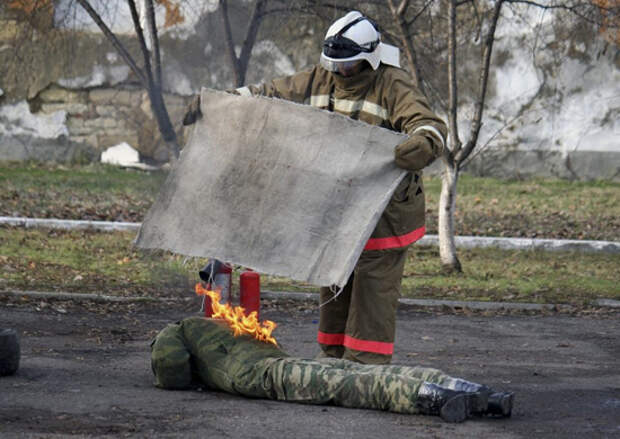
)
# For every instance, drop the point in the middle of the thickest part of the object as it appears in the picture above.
(206, 349)
(359, 76)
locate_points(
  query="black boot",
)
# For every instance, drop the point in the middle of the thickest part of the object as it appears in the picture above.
(9, 352)
(500, 404)
(451, 405)
(481, 393)
(488, 401)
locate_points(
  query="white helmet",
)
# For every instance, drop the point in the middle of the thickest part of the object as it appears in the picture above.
(355, 37)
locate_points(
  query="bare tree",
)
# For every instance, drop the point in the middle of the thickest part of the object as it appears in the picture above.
(149, 74)
(455, 155)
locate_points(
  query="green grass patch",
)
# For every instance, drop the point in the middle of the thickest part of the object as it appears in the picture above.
(90, 179)
(107, 263)
(516, 276)
(95, 192)
(83, 261)
(544, 208)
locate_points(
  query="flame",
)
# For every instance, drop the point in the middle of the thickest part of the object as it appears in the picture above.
(236, 318)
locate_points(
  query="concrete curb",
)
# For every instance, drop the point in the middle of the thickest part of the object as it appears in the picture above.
(313, 297)
(430, 240)
(465, 304)
(528, 244)
(102, 298)
(105, 226)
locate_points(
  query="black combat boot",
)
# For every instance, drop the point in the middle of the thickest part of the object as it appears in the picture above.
(450, 405)
(481, 392)
(488, 401)
(500, 404)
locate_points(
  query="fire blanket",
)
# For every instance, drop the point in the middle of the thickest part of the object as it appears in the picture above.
(282, 188)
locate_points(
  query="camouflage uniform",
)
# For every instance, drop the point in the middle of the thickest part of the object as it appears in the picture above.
(206, 349)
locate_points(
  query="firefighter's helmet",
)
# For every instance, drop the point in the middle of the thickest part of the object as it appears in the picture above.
(353, 38)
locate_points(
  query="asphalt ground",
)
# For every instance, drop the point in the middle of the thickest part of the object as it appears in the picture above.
(85, 372)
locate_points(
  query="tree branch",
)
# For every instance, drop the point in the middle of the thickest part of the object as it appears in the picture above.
(155, 52)
(230, 44)
(572, 7)
(406, 41)
(402, 8)
(115, 42)
(420, 12)
(483, 83)
(145, 51)
(250, 39)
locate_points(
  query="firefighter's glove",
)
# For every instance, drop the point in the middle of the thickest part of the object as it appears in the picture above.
(414, 153)
(193, 111)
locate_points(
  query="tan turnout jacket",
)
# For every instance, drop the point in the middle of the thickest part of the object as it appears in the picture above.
(385, 97)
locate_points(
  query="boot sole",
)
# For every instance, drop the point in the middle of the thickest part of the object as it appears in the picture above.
(478, 402)
(455, 409)
(501, 405)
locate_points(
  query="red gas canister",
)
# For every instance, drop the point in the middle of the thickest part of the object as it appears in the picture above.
(249, 291)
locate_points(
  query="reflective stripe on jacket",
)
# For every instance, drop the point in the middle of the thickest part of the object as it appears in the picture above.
(385, 97)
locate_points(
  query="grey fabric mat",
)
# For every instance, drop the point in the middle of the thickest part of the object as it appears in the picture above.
(281, 188)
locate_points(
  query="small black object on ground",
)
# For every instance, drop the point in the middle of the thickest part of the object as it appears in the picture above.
(9, 352)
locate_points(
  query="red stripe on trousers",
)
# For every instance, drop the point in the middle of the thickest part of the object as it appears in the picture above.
(377, 347)
(395, 241)
(325, 338)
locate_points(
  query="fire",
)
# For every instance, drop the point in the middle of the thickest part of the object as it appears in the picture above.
(236, 318)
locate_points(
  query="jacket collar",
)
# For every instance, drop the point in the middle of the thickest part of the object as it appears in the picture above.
(355, 83)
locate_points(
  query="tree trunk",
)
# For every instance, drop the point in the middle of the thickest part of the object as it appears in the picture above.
(230, 44)
(447, 204)
(166, 128)
(153, 83)
(447, 200)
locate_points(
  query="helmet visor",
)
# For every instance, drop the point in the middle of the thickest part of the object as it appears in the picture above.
(338, 66)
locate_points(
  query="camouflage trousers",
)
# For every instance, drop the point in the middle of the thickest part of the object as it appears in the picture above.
(348, 384)
(205, 350)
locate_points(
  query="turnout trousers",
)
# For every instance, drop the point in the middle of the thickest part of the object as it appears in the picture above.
(359, 325)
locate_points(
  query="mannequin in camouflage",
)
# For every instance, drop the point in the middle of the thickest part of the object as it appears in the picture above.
(206, 350)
